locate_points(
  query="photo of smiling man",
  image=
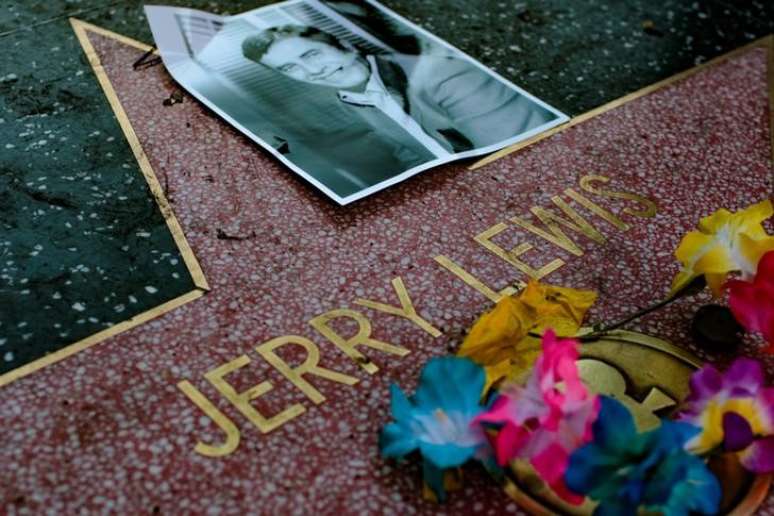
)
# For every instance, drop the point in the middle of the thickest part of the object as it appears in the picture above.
(336, 102)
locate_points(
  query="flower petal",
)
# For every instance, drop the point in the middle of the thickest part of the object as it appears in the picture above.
(765, 402)
(745, 373)
(495, 373)
(704, 384)
(593, 468)
(752, 303)
(724, 242)
(591, 471)
(551, 463)
(450, 383)
(737, 432)
(564, 492)
(560, 308)
(682, 485)
(752, 217)
(751, 252)
(400, 405)
(503, 332)
(766, 268)
(444, 456)
(614, 425)
(759, 456)
(509, 442)
(495, 335)
(396, 441)
(715, 260)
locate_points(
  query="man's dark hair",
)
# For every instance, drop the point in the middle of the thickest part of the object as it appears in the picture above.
(255, 47)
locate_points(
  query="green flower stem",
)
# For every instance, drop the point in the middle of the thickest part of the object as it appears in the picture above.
(601, 332)
(694, 287)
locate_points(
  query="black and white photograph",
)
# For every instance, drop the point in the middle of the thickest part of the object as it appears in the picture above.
(347, 94)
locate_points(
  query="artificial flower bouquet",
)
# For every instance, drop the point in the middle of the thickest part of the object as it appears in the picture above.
(513, 397)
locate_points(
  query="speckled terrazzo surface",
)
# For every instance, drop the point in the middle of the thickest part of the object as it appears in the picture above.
(107, 430)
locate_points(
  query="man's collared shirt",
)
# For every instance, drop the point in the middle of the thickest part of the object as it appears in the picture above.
(378, 96)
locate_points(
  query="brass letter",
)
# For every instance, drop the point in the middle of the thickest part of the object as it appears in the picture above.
(649, 210)
(597, 209)
(362, 338)
(605, 379)
(473, 281)
(406, 310)
(296, 374)
(513, 255)
(552, 222)
(241, 400)
(224, 423)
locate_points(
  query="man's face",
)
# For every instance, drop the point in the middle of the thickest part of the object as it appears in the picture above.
(316, 62)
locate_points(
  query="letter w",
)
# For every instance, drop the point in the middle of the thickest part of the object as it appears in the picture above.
(552, 221)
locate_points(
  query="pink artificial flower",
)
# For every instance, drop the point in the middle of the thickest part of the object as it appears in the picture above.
(752, 303)
(546, 420)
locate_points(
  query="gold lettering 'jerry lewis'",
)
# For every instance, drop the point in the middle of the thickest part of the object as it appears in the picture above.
(513, 256)
(648, 209)
(310, 366)
(406, 310)
(561, 225)
(322, 323)
(299, 375)
(224, 423)
(241, 400)
(553, 227)
(473, 281)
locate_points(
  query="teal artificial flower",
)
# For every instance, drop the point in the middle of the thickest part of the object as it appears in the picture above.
(624, 470)
(438, 419)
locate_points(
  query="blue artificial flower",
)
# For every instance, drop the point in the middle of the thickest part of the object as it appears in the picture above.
(437, 419)
(623, 469)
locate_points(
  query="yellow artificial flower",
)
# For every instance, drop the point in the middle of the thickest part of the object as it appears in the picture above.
(500, 341)
(725, 242)
(561, 309)
(503, 369)
(492, 338)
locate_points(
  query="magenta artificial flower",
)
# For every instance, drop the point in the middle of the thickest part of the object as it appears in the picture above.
(752, 303)
(546, 420)
(735, 410)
